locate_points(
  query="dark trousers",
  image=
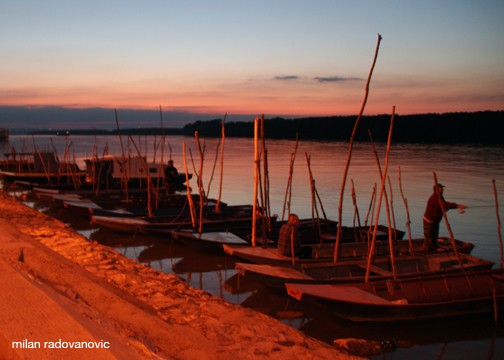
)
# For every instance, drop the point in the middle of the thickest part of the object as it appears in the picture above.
(431, 235)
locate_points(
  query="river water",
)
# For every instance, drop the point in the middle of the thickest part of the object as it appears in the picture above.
(466, 171)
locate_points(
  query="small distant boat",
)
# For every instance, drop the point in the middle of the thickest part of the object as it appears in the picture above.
(423, 297)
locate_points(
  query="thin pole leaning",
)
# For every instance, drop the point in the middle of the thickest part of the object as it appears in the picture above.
(148, 178)
(356, 212)
(256, 179)
(408, 219)
(124, 178)
(392, 214)
(288, 190)
(448, 227)
(223, 134)
(213, 167)
(382, 191)
(267, 208)
(188, 187)
(315, 213)
(498, 223)
(350, 146)
(200, 184)
(385, 194)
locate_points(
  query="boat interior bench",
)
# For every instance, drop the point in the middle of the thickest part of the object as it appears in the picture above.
(376, 269)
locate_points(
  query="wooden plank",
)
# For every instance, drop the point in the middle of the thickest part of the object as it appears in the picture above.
(272, 271)
(376, 269)
(342, 293)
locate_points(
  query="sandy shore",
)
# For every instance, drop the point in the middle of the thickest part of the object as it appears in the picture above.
(66, 298)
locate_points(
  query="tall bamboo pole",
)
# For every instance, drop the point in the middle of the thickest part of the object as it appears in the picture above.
(200, 183)
(256, 180)
(392, 214)
(188, 186)
(452, 238)
(498, 222)
(382, 191)
(370, 212)
(124, 176)
(350, 146)
(408, 219)
(315, 213)
(223, 135)
(267, 208)
(148, 179)
(356, 211)
(387, 207)
(288, 190)
(213, 167)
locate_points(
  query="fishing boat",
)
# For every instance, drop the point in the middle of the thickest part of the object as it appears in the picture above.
(236, 219)
(124, 224)
(410, 299)
(354, 270)
(324, 231)
(41, 168)
(131, 171)
(325, 252)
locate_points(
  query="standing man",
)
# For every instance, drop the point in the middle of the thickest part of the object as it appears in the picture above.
(433, 216)
(171, 176)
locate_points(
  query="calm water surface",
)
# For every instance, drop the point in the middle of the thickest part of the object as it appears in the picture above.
(466, 171)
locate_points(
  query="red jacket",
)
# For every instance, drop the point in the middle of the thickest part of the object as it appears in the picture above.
(433, 212)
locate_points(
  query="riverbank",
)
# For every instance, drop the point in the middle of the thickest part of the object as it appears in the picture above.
(62, 292)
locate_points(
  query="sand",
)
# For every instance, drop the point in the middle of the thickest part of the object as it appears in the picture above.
(64, 297)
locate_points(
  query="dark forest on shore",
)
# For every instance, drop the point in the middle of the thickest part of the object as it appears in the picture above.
(484, 127)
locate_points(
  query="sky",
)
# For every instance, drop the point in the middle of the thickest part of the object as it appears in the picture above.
(272, 57)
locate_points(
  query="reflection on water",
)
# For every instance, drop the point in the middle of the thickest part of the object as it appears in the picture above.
(467, 172)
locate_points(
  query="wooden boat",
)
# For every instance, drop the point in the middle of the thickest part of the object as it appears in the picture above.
(42, 168)
(324, 231)
(110, 170)
(123, 224)
(215, 223)
(208, 241)
(235, 222)
(325, 252)
(416, 298)
(354, 270)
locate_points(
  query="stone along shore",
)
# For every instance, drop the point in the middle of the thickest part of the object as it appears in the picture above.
(64, 297)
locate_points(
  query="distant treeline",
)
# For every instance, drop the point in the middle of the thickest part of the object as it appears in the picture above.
(484, 127)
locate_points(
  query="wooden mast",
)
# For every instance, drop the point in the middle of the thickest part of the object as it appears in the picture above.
(350, 147)
(382, 191)
(256, 180)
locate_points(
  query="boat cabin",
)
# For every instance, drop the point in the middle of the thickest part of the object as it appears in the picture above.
(114, 168)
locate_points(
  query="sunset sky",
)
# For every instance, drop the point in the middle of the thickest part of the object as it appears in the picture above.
(286, 57)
